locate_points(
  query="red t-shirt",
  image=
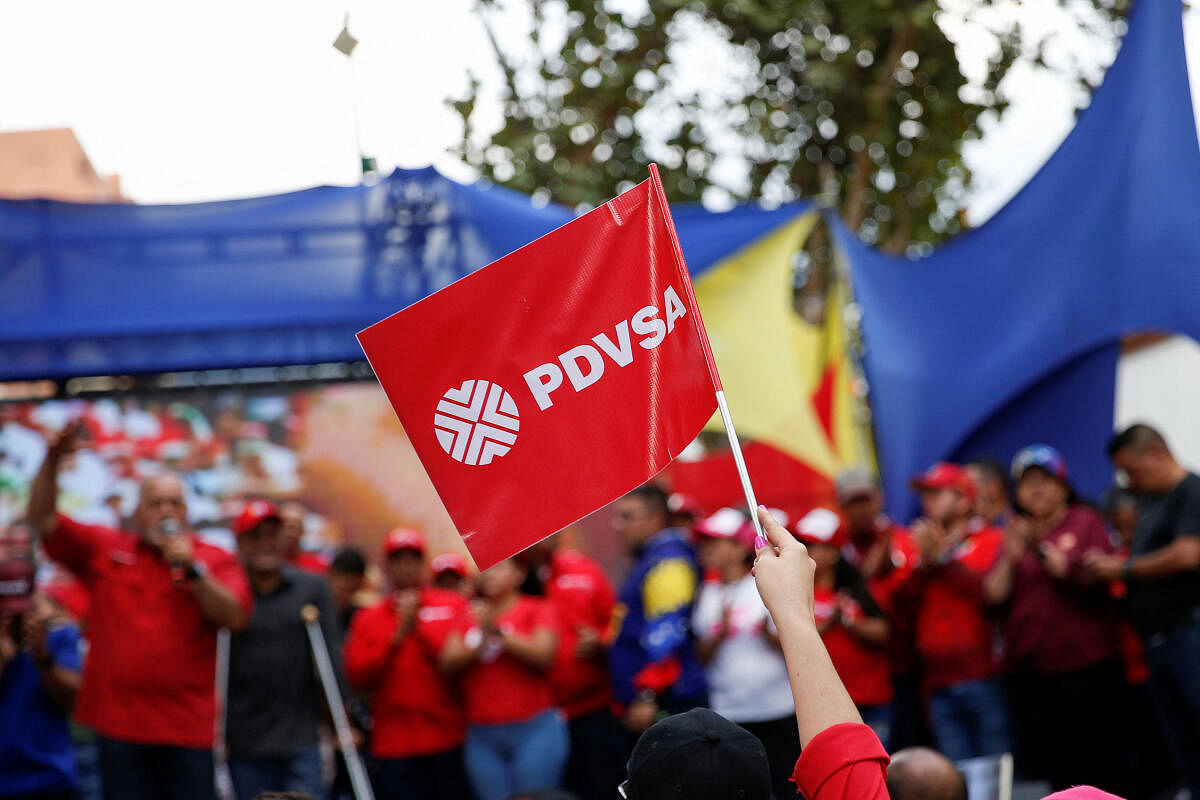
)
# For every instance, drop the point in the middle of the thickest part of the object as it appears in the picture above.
(843, 762)
(956, 640)
(498, 688)
(583, 598)
(151, 667)
(417, 710)
(865, 671)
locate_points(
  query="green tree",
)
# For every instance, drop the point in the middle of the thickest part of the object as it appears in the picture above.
(862, 103)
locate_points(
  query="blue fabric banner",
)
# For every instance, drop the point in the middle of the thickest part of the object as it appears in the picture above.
(288, 279)
(1102, 242)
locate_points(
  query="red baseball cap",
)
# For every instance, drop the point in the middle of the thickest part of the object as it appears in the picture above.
(727, 523)
(403, 539)
(946, 476)
(253, 513)
(449, 562)
(819, 526)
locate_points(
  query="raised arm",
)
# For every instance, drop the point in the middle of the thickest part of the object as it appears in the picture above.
(842, 759)
(43, 493)
(784, 573)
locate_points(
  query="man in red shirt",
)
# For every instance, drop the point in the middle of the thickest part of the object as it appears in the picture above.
(886, 554)
(396, 651)
(158, 597)
(943, 600)
(852, 626)
(883, 551)
(582, 595)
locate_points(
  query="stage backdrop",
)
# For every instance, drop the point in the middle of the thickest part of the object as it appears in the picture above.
(335, 448)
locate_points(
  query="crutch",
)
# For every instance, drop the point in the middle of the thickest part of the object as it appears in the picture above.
(333, 695)
(224, 781)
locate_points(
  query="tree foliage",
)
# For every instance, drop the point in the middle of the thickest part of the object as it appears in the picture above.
(862, 103)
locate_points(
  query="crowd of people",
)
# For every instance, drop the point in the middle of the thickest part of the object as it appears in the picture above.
(1011, 616)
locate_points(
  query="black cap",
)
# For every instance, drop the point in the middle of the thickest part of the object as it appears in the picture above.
(698, 755)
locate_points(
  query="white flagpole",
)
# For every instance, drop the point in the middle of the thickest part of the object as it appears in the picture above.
(760, 540)
(761, 537)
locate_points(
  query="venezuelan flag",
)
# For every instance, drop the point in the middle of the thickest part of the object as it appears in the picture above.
(789, 383)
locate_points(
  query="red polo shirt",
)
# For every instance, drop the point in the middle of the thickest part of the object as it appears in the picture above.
(417, 710)
(843, 762)
(151, 667)
(500, 689)
(956, 639)
(583, 597)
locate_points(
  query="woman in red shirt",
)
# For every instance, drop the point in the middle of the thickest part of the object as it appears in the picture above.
(516, 739)
(1062, 640)
(852, 626)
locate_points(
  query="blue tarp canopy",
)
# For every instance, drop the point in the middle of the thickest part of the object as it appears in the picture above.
(288, 279)
(1010, 334)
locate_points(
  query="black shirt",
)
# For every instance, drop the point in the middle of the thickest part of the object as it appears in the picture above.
(1160, 606)
(275, 696)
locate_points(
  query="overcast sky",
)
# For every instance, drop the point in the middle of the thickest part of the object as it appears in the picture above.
(223, 99)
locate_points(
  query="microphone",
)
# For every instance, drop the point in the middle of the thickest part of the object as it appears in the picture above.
(170, 527)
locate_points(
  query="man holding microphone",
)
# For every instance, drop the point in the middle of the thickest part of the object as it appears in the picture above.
(158, 597)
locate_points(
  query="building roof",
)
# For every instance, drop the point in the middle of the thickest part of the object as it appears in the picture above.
(52, 164)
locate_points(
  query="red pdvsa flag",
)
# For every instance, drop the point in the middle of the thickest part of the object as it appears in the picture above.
(554, 380)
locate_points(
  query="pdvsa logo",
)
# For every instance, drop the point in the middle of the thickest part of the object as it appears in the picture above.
(476, 422)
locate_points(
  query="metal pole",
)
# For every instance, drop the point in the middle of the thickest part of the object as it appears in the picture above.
(760, 540)
(223, 777)
(358, 775)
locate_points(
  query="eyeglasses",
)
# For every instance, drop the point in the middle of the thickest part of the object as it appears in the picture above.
(622, 790)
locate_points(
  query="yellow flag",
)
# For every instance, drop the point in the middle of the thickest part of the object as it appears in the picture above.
(762, 347)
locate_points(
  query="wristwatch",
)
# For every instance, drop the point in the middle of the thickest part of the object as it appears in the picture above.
(195, 570)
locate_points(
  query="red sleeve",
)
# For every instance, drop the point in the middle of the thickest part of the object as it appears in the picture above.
(844, 761)
(368, 647)
(227, 571)
(75, 545)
